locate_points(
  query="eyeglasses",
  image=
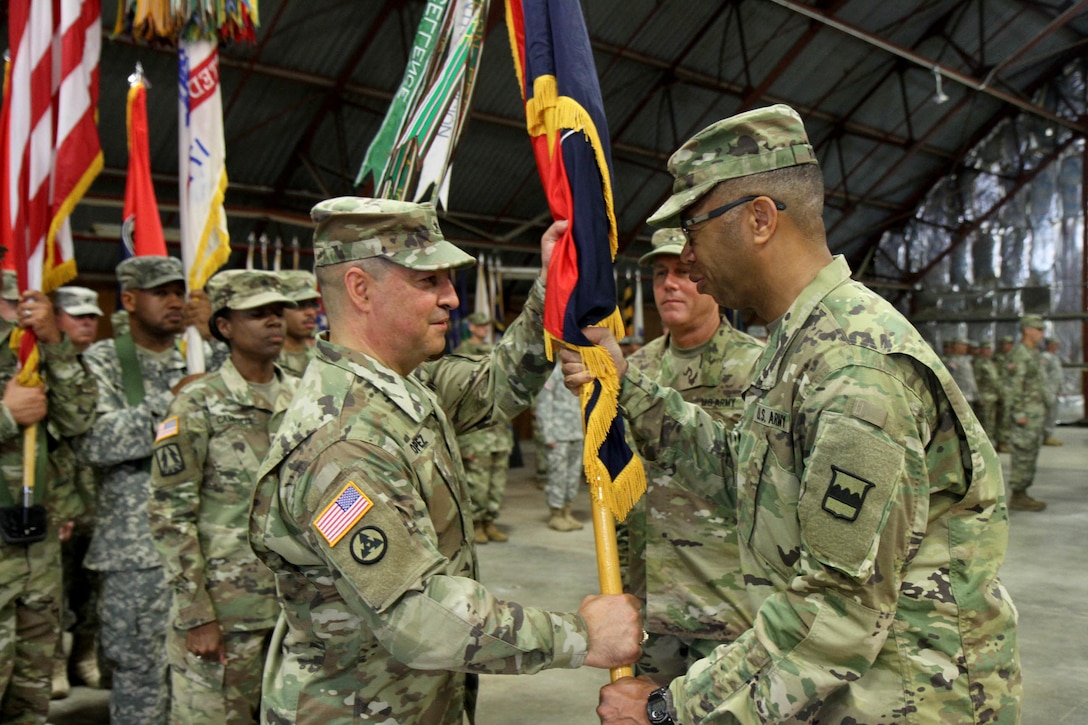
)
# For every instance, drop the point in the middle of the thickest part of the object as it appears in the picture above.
(686, 224)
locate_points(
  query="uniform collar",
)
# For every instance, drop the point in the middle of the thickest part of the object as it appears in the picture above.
(405, 392)
(785, 329)
(241, 393)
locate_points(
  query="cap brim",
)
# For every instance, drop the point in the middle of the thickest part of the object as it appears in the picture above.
(303, 296)
(160, 281)
(439, 255)
(668, 214)
(262, 299)
(77, 310)
(673, 249)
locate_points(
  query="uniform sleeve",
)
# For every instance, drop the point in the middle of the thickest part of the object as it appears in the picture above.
(120, 433)
(862, 508)
(373, 530)
(474, 392)
(72, 393)
(671, 432)
(177, 475)
(8, 427)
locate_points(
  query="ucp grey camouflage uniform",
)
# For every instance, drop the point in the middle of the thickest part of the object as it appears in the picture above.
(485, 454)
(135, 600)
(682, 555)
(963, 372)
(1055, 376)
(872, 525)
(207, 454)
(30, 574)
(559, 414)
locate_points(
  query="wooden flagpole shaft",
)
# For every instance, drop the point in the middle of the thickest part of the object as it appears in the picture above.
(608, 559)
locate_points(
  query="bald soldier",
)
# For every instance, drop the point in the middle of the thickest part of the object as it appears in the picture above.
(682, 557)
(362, 508)
(870, 505)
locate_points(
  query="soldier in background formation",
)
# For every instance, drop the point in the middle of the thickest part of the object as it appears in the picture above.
(559, 415)
(1026, 397)
(989, 389)
(485, 453)
(682, 559)
(959, 363)
(137, 374)
(870, 504)
(301, 321)
(207, 452)
(361, 506)
(77, 313)
(1055, 377)
(1004, 420)
(34, 524)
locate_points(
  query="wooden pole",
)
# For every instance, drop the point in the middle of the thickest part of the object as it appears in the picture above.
(608, 559)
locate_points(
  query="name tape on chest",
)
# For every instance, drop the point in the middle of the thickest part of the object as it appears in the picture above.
(771, 417)
(350, 505)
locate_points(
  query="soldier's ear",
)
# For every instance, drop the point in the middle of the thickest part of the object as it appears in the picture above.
(358, 287)
(128, 300)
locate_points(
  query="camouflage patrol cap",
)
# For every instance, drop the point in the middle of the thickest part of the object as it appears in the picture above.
(479, 318)
(1006, 338)
(77, 301)
(11, 286)
(350, 228)
(749, 143)
(299, 285)
(245, 289)
(665, 241)
(971, 343)
(148, 271)
(985, 343)
(1035, 321)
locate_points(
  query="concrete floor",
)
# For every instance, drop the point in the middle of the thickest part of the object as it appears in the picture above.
(1043, 572)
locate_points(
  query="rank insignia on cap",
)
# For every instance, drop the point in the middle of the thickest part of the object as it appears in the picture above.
(845, 494)
(369, 544)
(167, 428)
(340, 515)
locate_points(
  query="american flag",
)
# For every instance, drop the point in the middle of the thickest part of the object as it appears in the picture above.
(167, 428)
(51, 152)
(341, 514)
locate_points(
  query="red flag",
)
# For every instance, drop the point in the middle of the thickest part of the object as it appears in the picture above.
(565, 117)
(142, 228)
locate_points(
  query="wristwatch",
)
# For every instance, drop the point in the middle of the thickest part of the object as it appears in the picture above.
(659, 707)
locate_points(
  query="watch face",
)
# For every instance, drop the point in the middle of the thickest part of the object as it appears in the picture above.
(657, 708)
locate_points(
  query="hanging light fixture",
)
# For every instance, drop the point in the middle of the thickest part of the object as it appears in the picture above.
(940, 97)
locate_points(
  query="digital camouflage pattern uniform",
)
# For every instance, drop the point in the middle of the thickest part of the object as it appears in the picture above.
(683, 560)
(1025, 386)
(870, 506)
(386, 622)
(1004, 419)
(559, 415)
(30, 574)
(135, 600)
(989, 393)
(207, 453)
(485, 454)
(1055, 376)
(962, 370)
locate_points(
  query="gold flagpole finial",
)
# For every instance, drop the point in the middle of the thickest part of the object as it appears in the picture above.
(138, 77)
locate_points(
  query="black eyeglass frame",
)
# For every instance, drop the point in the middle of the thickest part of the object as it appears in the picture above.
(686, 224)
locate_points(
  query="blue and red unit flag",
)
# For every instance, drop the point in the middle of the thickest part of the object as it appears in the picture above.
(566, 123)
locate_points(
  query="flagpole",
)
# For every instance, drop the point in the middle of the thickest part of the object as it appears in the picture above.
(608, 558)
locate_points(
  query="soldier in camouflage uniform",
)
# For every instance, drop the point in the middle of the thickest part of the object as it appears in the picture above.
(207, 453)
(959, 364)
(682, 555)
(77, 313)
(298, 346)
(361, 508)
(1004, 420)
(989, 389)
(871, 512)
(30, 570)
(485, 453)
(559, 414)
(136, 374)
(9, 295)
(1055, 376)
(1025, 386)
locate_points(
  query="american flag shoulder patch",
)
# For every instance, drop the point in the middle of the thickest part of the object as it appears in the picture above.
(166, 429)
(340, 515)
